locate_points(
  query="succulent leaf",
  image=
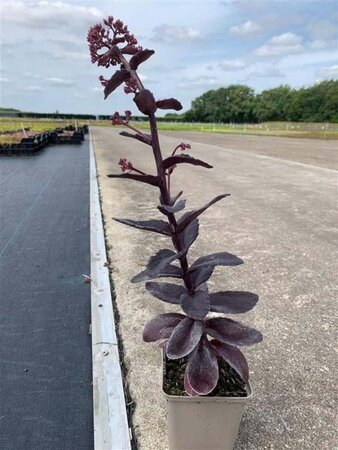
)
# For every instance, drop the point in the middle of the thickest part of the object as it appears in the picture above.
(180, 159)
(191, 215)
(184, 338)
(116, 80)
(145, 102)
(169, 103)
(158, 265)
(233, 356)
(148, 179)
(216, 259)
(202, 369)
(167, 209)
(157, 226)
(139, 58)
(196, 305)
(201, 275)
(232, 332)
(232, 302)
(161, 326)
(167, 292)
(145, 138)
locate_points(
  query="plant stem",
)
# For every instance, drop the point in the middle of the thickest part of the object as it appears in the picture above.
(165, 200)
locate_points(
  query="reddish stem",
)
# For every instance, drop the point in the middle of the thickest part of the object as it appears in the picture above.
(165, 200)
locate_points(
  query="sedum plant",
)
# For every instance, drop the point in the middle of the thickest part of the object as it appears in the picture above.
(191, 333)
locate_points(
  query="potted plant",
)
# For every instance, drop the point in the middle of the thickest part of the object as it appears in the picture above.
(205, 373)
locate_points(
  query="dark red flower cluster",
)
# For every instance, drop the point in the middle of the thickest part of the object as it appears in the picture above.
(106, 37)
(131, 86)
(125, 165)
(117, 119)
(184, 146)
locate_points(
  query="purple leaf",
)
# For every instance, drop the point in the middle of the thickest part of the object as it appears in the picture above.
(157, 265)
(191, 215)
(145, 138)
(169, 271)
(149, 179)
(165, 209)
(180, 159)
(139, 58)
(157, 226)
(145, 102)
(161, 327)
(196, 305)
(232, 302)
(231, 332)
(118, 78)
(188, 389)
(200, 275)
(190, 234)
(167, 292)
(161, 259)
(216, 259)
(233, 356)
(169, 103)
(202, 369)
(184, 338)
(175, 198)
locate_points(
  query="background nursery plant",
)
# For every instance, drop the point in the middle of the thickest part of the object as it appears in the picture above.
(200, 344)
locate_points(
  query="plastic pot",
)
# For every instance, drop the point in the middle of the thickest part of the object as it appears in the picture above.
(204, 423)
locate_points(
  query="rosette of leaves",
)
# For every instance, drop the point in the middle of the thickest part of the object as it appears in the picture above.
(191, 333)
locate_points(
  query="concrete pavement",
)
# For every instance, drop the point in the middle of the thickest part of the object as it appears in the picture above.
(281, 220)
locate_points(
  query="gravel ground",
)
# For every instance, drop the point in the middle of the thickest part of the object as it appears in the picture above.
(281, 220)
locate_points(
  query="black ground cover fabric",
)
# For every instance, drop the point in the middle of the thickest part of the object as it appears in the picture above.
(45, 350)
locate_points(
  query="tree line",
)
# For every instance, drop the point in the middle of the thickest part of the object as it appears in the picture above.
(240, 104)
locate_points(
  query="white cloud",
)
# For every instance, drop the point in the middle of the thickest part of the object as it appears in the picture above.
(33, 89)
(31, 74)
(245, 28)
(322, 29)
(4, 80)
(72, 56)
(205, 81)
(59, 82)
(232, 65)
(143, 77)
(282, 44)
(266, 72)
(173, 33)
(48, 14)
(97, 89)
(329, 73)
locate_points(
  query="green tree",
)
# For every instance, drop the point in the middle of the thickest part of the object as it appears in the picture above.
(231, 104)
(273, 104)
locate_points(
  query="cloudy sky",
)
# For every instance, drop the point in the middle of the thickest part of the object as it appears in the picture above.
(199, 45)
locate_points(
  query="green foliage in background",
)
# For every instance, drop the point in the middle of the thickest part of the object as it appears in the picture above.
(240, 104)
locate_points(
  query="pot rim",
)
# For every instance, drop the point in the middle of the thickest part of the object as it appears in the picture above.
(208, 398)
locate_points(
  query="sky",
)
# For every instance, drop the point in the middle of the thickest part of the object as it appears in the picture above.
(199, 45)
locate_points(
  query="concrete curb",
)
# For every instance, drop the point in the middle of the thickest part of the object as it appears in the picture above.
(111, 429)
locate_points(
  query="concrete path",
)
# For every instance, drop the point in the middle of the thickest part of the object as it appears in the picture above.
(45, 349)
(281, 219)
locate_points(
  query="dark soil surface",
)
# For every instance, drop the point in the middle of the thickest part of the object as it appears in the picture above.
(229, 385)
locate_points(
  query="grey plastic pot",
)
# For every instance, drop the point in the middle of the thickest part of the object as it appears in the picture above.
(204, 423)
